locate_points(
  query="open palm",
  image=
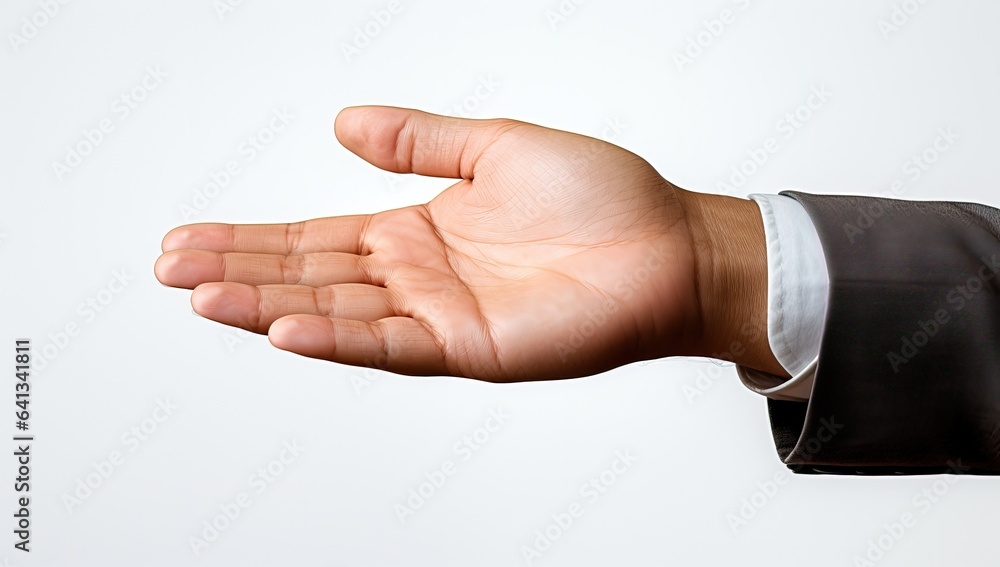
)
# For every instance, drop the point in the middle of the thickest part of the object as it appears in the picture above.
(553, 255)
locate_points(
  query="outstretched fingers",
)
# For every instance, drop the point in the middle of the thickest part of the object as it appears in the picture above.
(255, 308)
(315, 252)
(191, 268)
(396, 344)
(334, 234)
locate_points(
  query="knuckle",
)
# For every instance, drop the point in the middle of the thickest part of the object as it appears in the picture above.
(293, 269)
(293, 236)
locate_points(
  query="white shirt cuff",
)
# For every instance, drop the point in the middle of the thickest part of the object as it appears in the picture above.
(797, 293)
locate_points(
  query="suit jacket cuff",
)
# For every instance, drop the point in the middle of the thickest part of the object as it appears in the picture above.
(908, 375)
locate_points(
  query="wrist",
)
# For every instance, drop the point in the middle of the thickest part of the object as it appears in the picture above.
(730, 252)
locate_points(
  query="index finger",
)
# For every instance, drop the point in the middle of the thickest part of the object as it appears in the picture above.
(333, 234)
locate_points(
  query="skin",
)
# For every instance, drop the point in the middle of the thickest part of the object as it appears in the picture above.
(553, 255)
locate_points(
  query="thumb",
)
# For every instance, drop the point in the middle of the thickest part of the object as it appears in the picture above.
(403, 140)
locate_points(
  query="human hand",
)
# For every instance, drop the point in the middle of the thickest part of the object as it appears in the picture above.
(555, 255)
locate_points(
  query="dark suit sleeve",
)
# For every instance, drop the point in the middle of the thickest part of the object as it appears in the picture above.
(908, 378)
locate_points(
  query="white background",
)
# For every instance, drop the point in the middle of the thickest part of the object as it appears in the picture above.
(371, 437)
